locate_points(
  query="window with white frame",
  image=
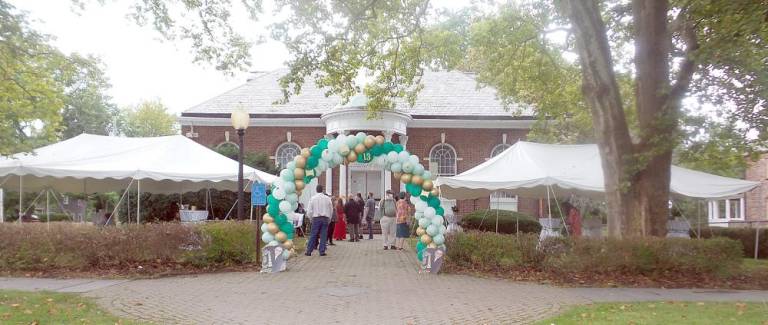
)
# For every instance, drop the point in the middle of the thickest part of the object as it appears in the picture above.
(443, 155)
(286, 152)
(502, 200)
(722, 211)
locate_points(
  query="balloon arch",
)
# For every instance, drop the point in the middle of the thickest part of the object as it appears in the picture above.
(312, 162)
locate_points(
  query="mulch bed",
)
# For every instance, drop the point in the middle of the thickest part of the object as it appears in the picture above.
(754, 280)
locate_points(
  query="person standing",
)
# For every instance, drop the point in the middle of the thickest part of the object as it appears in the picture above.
(388, 212)
(340, 229)
(334, 219)
(320, 209)
(352, 212)
(361, 206)
(403, 216)
(368, 211)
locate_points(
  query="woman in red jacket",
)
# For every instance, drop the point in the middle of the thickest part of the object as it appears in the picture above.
(340, 229)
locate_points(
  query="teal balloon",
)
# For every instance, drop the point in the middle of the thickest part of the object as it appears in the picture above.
(398, 147)
(286, 227)
(420, 247)
(387, 147)
(439, 211)
(280, 218)
(316, 151)
(376, 150)
(307, 179)
(273, 210)
(322, 143)
(433, 201)
(415, 190)
(313, 160)
(271, 200)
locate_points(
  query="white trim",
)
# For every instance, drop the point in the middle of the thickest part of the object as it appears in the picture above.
(255, 122)
(471, 124)
(337, 121)
(318, 122)
(277, 151)
(506, 145)
(455, 158)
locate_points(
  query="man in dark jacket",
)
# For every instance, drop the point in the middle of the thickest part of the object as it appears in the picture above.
(352, 211)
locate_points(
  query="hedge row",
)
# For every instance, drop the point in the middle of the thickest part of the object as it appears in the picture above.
(83, 247)
(746, 236)
(509, 221)
(486, 251)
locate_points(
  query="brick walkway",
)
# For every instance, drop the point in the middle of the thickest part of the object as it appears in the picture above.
(356, 283)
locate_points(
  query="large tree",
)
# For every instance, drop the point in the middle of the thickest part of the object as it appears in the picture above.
(625, 65)
(87, 107)
(148, 119)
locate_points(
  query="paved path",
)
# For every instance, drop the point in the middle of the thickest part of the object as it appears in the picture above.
(356, 283)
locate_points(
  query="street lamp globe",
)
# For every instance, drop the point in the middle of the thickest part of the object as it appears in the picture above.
(240, 119)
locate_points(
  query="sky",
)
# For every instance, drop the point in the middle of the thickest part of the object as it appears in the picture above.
(141, 66)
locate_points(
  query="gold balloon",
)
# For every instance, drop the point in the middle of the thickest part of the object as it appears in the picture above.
(298, 173)
(299, 185)
(369, 141)
(343, 149)
(420, 231)
(288, 244)
(272, 228)
(267, 218)
(305, 152)
(426, 239)
(281, 237)
(427, 185)
(397, 175)
(379, 139)
(435, 192)
(406, 178)
(352, 156)
(431, 245)
(417, 180)
(301, 162)
(360, 148)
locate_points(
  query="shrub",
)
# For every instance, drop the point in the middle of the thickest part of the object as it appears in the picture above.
(485, 220)
(744, 235)
(84, 247)
(639, 256)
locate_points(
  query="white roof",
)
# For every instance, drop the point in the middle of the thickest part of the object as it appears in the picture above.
(445, 94)
(528, 168)
(170, 164)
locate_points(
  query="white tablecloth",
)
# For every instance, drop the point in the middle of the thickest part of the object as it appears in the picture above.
(193, 215)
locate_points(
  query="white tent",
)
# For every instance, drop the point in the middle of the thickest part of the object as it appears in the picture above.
(93, 163)
(535, 170)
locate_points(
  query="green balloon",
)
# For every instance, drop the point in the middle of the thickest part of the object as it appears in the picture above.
(273, 210)
(271, 200)
(307, 179)
(280, 218)
(376, 150)
(387, 147)
(315, 151)
(398, 147)
(420, 247)
(312, 162)
(415, 190)
(440, 211)
(322, 143)
(434, 202)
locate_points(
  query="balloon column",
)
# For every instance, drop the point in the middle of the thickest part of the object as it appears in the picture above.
(312, 162)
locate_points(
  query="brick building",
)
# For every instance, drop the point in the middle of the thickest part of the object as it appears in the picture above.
(453, 126)
(756, 200)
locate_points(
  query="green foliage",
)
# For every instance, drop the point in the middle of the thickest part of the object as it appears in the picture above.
(509, 221)
(87, 107)
(230, 242)
(745, 236)
(148, 119)
(662, 312)
(490, 252)
(17, 307)
(258, 160)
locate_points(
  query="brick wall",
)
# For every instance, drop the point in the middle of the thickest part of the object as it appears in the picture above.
(756, 199)
(473, 147)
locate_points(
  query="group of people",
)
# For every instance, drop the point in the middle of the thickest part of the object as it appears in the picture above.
(333, 219)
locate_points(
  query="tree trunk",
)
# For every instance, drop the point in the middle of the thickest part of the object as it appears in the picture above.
(636, 175)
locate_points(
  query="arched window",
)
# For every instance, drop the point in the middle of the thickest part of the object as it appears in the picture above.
(286, 152)
(444, 156)
(502, 200)
(499, 148)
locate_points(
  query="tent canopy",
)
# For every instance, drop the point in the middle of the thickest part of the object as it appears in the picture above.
(530, 169)
(94, 163)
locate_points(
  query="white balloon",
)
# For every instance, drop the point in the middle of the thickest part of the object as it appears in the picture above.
(392, 157)
(403, 156)
(264, 228)
(380, 161)
(273, 243)
(337, 159)
(438, 220)
(418, 169)
(333, 145)
(418, 214)
(414, 159)
(289, 187)
(287, 175)
(429, 212)
(414, 199)
(442, 229)
(285, 207)
(420, 205)
(293, 197)
(432, 229)
(294, 205)
(341, 139)
(322, 165)
(439, 239)
(426, 175)
(395, 168)
(360, 137)
(279, 193)
(407, 167)
(351, 142)
(267, 237)
(326, 155)
(424, 223)
(291, 165)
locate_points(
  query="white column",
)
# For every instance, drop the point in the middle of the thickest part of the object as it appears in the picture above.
(329, 180)
(343, 180)
(742, 209)
(387, 173)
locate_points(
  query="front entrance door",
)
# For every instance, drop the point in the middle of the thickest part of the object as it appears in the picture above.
(364, 181)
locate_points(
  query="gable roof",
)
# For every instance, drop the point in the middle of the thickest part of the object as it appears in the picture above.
(446, 94)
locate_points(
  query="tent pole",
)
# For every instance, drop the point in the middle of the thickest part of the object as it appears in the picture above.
(497, 214)
(138, 202)
(56, 198)
(85, 197)
(2, 205)
(114, 211)
(562, 215)
(48, 207)
(21, 197)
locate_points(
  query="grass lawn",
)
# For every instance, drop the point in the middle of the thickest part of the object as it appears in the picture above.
(18, 307)
(664, 313)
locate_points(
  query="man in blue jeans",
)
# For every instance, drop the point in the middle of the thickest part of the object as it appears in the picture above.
(320, 209)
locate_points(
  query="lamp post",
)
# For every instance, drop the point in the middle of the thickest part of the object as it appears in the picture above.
(240, 119)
